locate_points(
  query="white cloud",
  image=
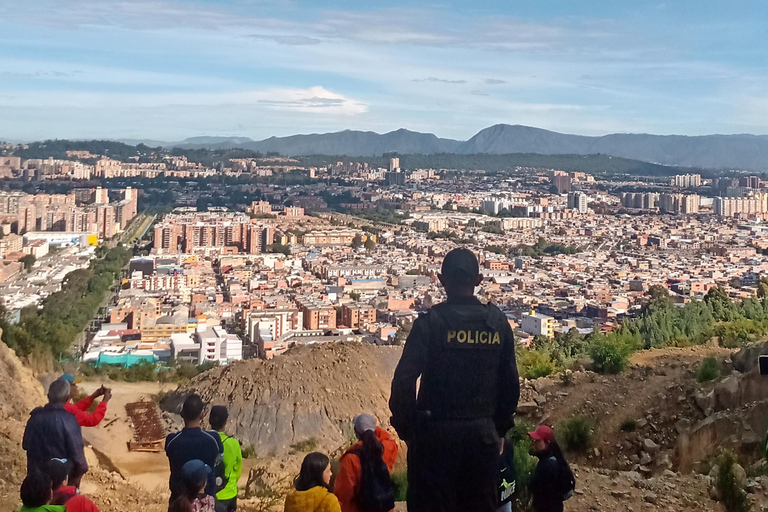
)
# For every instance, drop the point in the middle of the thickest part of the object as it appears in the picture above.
(313, 99)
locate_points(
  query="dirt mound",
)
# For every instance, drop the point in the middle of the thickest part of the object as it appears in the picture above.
(20, 392)
(304, 398)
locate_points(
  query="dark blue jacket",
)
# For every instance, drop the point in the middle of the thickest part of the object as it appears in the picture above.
(189, 444)
(53, 432)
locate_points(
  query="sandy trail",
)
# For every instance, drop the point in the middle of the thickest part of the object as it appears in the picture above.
(149, 470)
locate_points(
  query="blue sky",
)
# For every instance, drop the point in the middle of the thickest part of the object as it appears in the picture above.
(170, 69)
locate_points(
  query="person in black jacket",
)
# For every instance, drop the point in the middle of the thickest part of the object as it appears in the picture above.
(190, 443)
(52, 432)
(463, 351)
(545, 483)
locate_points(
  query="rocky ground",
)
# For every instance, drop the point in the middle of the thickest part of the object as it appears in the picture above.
(315, 391)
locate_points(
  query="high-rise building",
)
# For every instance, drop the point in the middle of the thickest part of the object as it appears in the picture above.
(562, 183)
(394, 164)
(679, 203)
(577, 201)
(196, 232)
(100, 196)
(395, 178)
(686, 180)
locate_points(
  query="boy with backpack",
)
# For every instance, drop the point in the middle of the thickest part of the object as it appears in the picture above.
(552, 482)
(363, 483)
(232, 467)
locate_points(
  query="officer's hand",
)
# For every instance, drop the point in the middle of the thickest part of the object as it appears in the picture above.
(107, 394)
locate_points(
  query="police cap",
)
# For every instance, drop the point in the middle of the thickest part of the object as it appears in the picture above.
(460, 266)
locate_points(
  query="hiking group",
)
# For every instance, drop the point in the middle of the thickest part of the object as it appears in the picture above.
(454, 424)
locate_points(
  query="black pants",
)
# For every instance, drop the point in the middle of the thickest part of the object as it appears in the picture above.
(226, 505)
(453, 466)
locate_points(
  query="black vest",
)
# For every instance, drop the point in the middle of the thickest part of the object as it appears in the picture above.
(465, 348)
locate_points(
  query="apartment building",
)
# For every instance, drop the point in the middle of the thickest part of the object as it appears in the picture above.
(357, 316)
(538, 325)
(317, 314)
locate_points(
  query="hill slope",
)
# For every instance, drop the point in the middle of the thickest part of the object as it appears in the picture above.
(709, 151)
(309, 393)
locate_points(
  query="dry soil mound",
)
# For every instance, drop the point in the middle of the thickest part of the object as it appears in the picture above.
(311, 392)
(20, 392)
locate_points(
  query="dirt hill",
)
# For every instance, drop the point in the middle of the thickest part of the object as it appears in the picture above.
(20, 392)
(309, 393)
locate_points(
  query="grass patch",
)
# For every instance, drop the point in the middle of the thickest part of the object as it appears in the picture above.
(628, 425)
(709, 370)
(400, 481)
(576, 433)
(304, 446)
(249, 452)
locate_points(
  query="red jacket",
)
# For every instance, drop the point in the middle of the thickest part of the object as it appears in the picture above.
(80, 410)
(349, 470)
(80, 504)
(63, 494)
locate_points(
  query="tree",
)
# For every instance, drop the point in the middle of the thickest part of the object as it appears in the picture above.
(28, 261)
(762, 288)
(357, 241)
(279, 248)
(370, 245)
(413, 272)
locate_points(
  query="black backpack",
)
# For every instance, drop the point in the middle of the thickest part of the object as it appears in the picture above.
(375, 491)
(566, 482)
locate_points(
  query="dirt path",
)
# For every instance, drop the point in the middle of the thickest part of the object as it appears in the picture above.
(110, 438)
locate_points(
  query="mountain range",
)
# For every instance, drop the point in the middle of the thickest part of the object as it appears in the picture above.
(706, 151)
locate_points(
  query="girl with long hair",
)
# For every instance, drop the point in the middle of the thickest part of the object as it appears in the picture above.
(313, 485)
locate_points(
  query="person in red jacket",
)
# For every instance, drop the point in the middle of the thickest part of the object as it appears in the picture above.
(348, 477)
(80, 409)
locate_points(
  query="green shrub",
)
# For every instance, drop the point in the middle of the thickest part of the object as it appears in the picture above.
(628, 425)
(732, 496)
(576, 433)
(249, 452)
(610, 354)
(532, 364)
(709, 370)
(143, 371)
(400, 481)
(304, 446)
(525, 464)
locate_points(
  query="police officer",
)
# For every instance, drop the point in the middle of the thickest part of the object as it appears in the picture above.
(463, 350)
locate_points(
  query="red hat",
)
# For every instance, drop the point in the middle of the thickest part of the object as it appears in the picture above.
(543, 433)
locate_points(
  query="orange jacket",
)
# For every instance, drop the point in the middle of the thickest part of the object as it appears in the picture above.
(349, 470)
(80, 410)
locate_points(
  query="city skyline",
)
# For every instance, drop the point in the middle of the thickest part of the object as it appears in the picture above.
(169, 70)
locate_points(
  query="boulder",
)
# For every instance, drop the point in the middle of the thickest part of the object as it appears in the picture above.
(683, 425)
(727, 395)
(705, 400)
(542, 384)
(649, 446)
(526, 408)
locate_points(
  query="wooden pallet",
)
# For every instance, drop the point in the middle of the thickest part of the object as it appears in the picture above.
(146, 446)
